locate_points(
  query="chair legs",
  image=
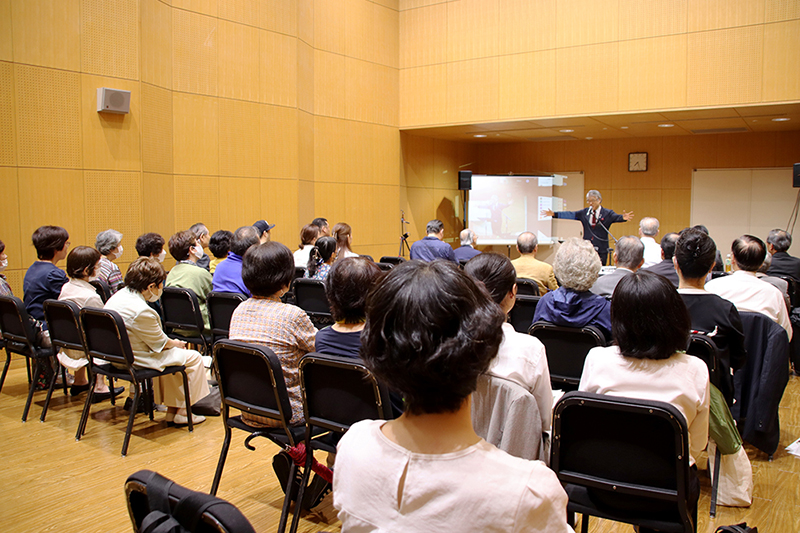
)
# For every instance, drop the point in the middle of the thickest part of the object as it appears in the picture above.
(287, 499)
(85, 414)
(187, 399)
(298, 507)
(31, 389)
(52, 387)
(715, 483)
(226, 444)
(131, 416)
(5, 369)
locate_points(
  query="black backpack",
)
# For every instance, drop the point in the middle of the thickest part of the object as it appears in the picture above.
(738, 528)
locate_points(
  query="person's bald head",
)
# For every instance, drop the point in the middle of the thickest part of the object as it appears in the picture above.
(527, 243)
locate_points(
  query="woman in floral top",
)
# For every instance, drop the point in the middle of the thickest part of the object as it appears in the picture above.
(322, 256)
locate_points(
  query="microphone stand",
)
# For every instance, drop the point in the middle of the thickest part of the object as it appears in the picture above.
(608, 232)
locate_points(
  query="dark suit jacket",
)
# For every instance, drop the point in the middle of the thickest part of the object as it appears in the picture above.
(665, 268)
(784, 264)
(597, 235)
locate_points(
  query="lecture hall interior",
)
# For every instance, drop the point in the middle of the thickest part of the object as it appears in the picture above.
(356, 110)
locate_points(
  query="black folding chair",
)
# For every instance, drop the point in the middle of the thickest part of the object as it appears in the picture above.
(337, 393)
(521, 315)
(310, 297)
(527, 287)
(625, 460)
(183, 319)
(385, 266)
(147, 492)
(566, 350)
(102, 288)
(110, 354)
(20, 339)
(393, 259)
(65, 332)
(221, 306)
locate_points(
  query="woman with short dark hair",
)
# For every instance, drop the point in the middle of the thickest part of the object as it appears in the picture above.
(220, 245)
(267, 272)
(43, 279)
(321, 257)
(144, 282)
(431, 331)
(151, 245)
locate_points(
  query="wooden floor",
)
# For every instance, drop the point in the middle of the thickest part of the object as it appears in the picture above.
(50, 482)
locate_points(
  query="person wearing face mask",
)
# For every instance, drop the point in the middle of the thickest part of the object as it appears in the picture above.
(5, 288)
(108, 244)
(144, 282)
(151, 245)
(186, 250)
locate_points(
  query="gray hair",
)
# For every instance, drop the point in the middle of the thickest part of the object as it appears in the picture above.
(467, 237)
(527, 242)
(630, 252)
(766, 264)
(107, 240)
(649, 226)
(595, 193)
(199, 229)
(577, 264)
(780, 240)
(434, 226)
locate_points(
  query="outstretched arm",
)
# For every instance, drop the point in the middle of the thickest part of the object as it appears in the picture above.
(627, 215)
(547, 213)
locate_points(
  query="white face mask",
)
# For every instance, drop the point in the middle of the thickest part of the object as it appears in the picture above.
(162, 256)
(3, 264)
(118, 253)
(197, 251)
(154, 296)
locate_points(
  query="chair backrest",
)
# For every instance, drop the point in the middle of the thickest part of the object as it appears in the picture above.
(63, 323)
(703, 347)
(102, 289)
(566, 350)
(340, 391)
(299, 272)
(106, 337)
(16, 325)
(181, 309)
(310, 297)
(385, 266)
(221, 306)
(251, 380)
(794, 290)
(521, 315)
(629, 453)
(527, 287)
(393, 259)
(218, 516)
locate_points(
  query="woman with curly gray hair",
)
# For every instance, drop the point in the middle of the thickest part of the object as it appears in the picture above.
(108, 244)
(577, 267)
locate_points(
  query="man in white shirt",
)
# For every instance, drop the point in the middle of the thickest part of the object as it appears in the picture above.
(745, 290)
(648, 231)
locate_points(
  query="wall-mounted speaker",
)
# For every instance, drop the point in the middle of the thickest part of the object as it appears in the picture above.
(113, 101)
(796, 175)
(464, 180)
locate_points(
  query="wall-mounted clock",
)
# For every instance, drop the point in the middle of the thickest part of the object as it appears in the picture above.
(637, 162)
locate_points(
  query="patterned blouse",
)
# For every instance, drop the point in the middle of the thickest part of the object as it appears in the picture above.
(5, 288)
(110, 273)
(288, 332)
(321, 273)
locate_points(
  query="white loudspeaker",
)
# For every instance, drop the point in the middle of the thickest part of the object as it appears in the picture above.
(113, 101)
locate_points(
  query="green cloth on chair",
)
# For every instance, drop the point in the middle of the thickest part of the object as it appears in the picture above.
(721, 427)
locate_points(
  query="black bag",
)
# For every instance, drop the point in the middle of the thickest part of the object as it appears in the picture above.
(738, 528)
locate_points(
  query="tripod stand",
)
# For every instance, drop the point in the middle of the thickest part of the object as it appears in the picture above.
(403, 236)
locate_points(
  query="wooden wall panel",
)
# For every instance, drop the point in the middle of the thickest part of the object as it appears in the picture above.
(239, 138)
(239, 51)
(101, 190)
(329, 84)
(8, 136)
(360, 91)
(278, 70)
(110, 141)
(281, 16)
(330, 201)
(63, 205)
(329, 26)
(279, 142)
(582, 22)
(472, 91)
(330, 150)
(206, 7)
(682, 153)
(526, 26)
(157, 122)
(422, 39)
(158, 204)
(188, 210)
(780, 10)
(305, 205)
(717, 14)
(587, 79)
(304, 150)
(9, 223)
(448, 158)
(195, 52)
(196, 134)
(781, 79)
(240, 203)
(472, 29)
(6, 33)
(363, 217)
(786, 146)
(305, 77)
(110, 38)
(156, 25)
(359, 155)
(47, 33)
(529, 85)
(423, 95)
(249, 12)
(386, 47)
(641, 202)
(725, 66)
(675, 208)
(748, 151)
(412, 4)
(651, 18)
(304, 20)
(387, 160)
(48, 117)
(652, 73)
(419, 209)
(387, 84)
(359, 28)
(418, 161)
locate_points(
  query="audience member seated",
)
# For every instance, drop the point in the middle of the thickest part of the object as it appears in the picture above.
(629, 257)
(204, 237)
(322, 226)
(83, 263)
(577, 266)
(320, 258)
(144, 282)
(220, 245)
(108, 243)
(648, 231)
(343, 234)
(651, 331)
(228, 275)
(779, 283)
(186, 250)
(151, 245)
(695, 253)
(5, 288)
(467, 250)
(43, 279)
(432, 247)
(263, 228)
(347, 285)
(745, 290)
(528, 267)
(521, 357)
(268, 270)
(308, 236)
(666, 268)
(783, 264)
(431, 331)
